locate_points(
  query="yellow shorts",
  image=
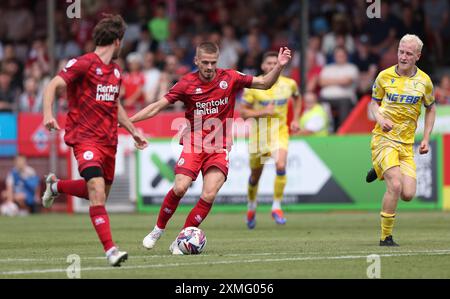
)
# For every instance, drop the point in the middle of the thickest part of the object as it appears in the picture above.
(259, 153)
(387, 153)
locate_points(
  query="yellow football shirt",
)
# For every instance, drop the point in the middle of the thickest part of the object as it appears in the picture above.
(401, 102)
(276, 125)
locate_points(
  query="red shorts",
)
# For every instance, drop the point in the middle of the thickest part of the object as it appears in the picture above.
(191, 163)
(103, 156)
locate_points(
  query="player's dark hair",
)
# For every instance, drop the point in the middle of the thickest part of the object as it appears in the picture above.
(110, 28)
(270, 54)
(208, 47)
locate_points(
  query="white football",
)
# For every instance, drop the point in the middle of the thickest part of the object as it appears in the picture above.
(191, 240)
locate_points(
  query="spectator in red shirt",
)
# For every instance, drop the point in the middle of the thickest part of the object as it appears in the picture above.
(133, 84)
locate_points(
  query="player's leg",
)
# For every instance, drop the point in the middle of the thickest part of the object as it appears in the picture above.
(256, 169)
(168, 207)
(393, 180)
(213, 180)
(54, 187)
(408, 188)
(408, 169)
(279, 185)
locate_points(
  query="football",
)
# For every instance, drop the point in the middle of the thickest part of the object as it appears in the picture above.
(191, 240)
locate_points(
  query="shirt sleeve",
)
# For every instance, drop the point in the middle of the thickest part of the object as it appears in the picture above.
(429, 94)
(377, 89)
(242, 80)
(176, 93)
(74, 69)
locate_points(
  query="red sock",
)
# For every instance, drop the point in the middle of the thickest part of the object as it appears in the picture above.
(76, 188)
(198, 213)
(168, 207)
(100, 220)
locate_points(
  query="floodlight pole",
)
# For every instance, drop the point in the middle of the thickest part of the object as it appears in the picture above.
(304, 37)
(53, 155)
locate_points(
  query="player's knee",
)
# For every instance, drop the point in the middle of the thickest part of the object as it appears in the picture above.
(407, 196)
(180, 189)
(209, 195)
(395, 187)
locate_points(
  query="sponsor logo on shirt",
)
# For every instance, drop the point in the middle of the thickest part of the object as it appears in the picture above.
(117, 73)
(98, 71)
(210, 107)
(106, 93)
(198, 90)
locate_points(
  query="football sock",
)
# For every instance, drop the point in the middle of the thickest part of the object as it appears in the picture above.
(168, 207)
(280, 183)
(198, 213)
(387, 224)
(76, 188)
(251, 195)
(100, 221)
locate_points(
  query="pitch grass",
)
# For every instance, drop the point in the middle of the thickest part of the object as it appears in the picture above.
(310, 245)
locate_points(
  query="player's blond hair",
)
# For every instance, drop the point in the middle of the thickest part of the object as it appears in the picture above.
(412, 38)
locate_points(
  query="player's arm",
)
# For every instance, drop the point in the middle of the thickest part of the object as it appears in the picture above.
(125, 122)
(247, 111)
(430, 116)
(151, 110)
(49, 97)
(269, 79)
(297, 110)
(385, 124)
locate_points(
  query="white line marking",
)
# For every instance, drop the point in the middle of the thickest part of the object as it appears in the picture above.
(307, 258)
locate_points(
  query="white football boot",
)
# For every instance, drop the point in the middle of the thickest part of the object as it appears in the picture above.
(116, 257)
(150, 240)
(174, 249)
(49, 196)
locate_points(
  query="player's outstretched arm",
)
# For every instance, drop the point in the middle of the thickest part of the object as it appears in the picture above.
(124, 121)
(247, 111)
(151, 110)
(430, 116)
(269, 79)
(49, 96)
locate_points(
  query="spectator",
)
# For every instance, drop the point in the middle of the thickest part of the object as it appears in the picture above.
(7, 94)
(249, 63)
(338, 82)
(341, 30)
(30, 100)
(22, 186)
(314, 120)
(442, 92)
(367, 65)
(313, 70)
(436, 20)
(158, 26)
(230, 49)
(151, 76)
(133, 84)
(170, 76)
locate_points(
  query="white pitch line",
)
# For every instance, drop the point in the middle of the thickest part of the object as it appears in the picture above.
(307, 258)
(25, 260)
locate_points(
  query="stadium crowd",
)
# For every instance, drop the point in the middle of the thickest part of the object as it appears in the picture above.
(346, 49)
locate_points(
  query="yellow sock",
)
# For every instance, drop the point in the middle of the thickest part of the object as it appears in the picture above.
(278, 189)
(251, 194)
(387, 224)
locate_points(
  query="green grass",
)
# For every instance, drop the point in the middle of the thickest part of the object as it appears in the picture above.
(310, 245)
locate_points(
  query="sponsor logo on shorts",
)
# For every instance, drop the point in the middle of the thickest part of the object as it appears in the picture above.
(88, 155)
(180, 162)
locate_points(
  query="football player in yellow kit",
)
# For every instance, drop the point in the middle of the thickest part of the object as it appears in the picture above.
(397, 96)
(269, 136)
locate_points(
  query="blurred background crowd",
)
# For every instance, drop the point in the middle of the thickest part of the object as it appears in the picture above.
(345, 51)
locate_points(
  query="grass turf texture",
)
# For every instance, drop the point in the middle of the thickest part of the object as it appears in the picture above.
(310, 245)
